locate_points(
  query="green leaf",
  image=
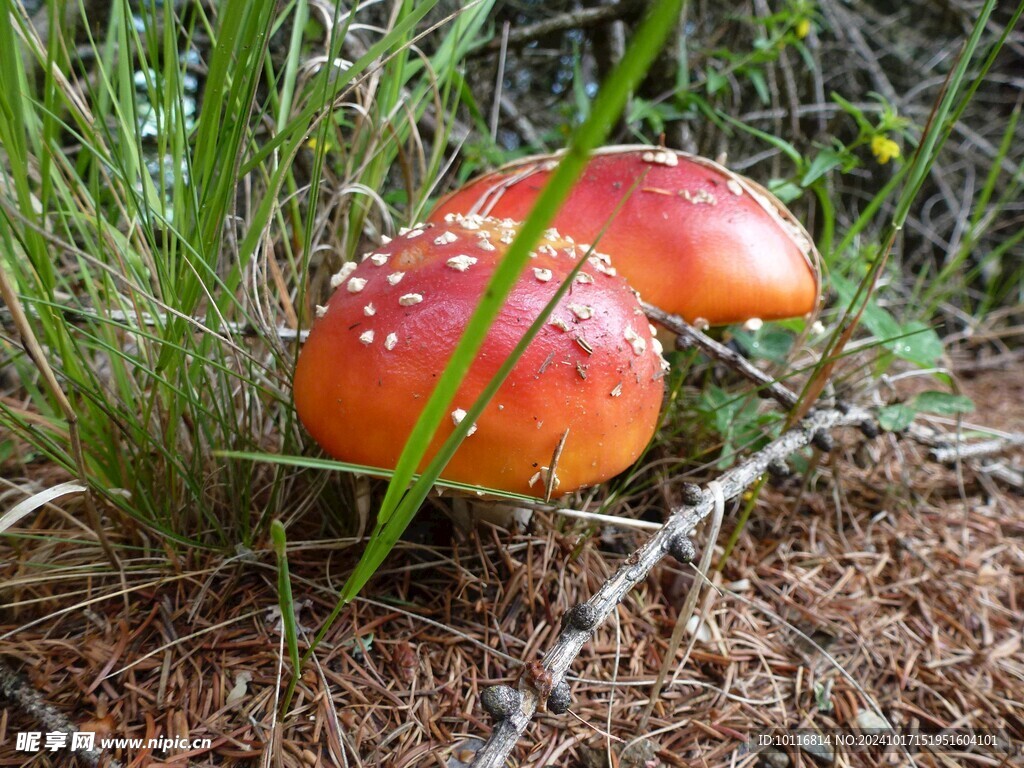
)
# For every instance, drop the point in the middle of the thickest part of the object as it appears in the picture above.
(736, 418)
(760, 84)
(823, 162)
(716, 82)
(915, 341)
(769, 343)
(786, 191)
(942, 403)
(853, 111)
(899, 416)
(781, 144)
(896, 418)
(882, 325)
(918, 343)
(719, 406)
(823, 696)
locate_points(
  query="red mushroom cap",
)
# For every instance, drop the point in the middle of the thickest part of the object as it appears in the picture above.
(374, 354)
(694, 238)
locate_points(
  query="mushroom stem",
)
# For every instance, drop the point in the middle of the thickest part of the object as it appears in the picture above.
(468, 512)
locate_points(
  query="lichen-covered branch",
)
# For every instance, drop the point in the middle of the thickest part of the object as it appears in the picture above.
(576, 19)
(681, 523)
(691, 337)
(945, 452)
(945, 448)
(15, 689)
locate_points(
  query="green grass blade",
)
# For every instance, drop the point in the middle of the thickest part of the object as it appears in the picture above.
(936, 131)
(291, 68)
(394, 513)
(287, 605)
(331, 465)
(293, 135)
(940, 123)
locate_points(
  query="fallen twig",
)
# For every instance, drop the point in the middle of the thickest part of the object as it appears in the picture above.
(581, 621)
(576, 19)
(1004, 474)
(691, 337)
(669, 658)
(945, 447)
(17, 690)
(947, 452)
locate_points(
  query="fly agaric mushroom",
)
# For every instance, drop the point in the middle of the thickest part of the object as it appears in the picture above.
(694, 238)
(590, 380)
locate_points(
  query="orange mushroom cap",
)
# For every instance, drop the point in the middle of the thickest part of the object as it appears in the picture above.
(377, 349)
(692, 237)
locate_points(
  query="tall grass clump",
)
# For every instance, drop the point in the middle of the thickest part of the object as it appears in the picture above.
(166, 187)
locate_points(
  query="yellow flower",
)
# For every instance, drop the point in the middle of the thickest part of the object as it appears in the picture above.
(803, 28)
(313, 142)
(884, 148)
